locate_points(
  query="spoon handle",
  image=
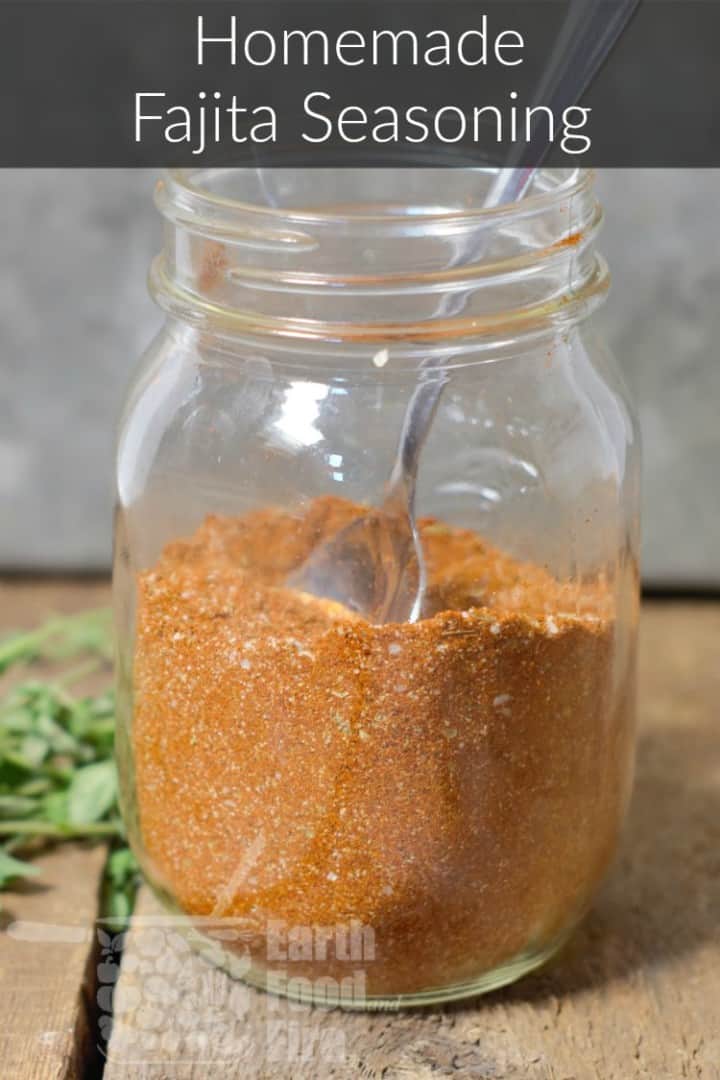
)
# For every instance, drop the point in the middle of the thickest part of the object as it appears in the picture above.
(419, 415)
(509, 185)
(588, 33)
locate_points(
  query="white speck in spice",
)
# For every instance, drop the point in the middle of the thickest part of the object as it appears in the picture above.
(501, 699)
(495, 628)
(245, 664)
(332, 876)
(381, 358)
(394, 649)
(552, 626)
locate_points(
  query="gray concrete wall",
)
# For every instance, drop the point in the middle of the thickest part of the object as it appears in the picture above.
(74, 316)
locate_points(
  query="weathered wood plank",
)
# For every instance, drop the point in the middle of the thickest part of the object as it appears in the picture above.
(634, 997)
(47, 937)
(26, 602)
(46, 947)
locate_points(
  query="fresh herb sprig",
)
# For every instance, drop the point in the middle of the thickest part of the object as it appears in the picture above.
(60, 638)
(57, 774)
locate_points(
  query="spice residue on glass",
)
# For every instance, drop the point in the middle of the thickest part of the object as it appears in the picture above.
(455, 784)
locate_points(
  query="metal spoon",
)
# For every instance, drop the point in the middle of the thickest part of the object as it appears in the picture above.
(375, 565)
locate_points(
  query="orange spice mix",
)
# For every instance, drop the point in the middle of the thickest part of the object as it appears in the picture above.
(456, 785)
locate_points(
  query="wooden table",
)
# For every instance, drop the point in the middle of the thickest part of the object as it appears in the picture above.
(636, 994)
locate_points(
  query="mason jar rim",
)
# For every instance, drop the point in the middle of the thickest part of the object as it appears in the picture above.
(257, 267)
(179, 182)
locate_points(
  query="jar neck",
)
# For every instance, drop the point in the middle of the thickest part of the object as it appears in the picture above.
(246, 252)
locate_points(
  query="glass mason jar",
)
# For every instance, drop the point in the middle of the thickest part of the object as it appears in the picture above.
(355, 813)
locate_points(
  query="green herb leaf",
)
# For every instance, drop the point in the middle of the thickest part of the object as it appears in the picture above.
(16, 806)
(54, 808)
(57, 776)
(93, 791)
(122, 865)
(34, 749)
(61, 638)
(11, 868)
(122, 878)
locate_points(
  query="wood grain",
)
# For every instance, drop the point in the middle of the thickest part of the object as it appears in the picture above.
(26, 602)
(46, 944)
(635, 996)
(47, 937)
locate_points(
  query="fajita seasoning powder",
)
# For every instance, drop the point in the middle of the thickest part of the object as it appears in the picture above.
(449, 790)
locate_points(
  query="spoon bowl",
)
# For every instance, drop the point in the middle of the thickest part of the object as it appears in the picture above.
(374, 566)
